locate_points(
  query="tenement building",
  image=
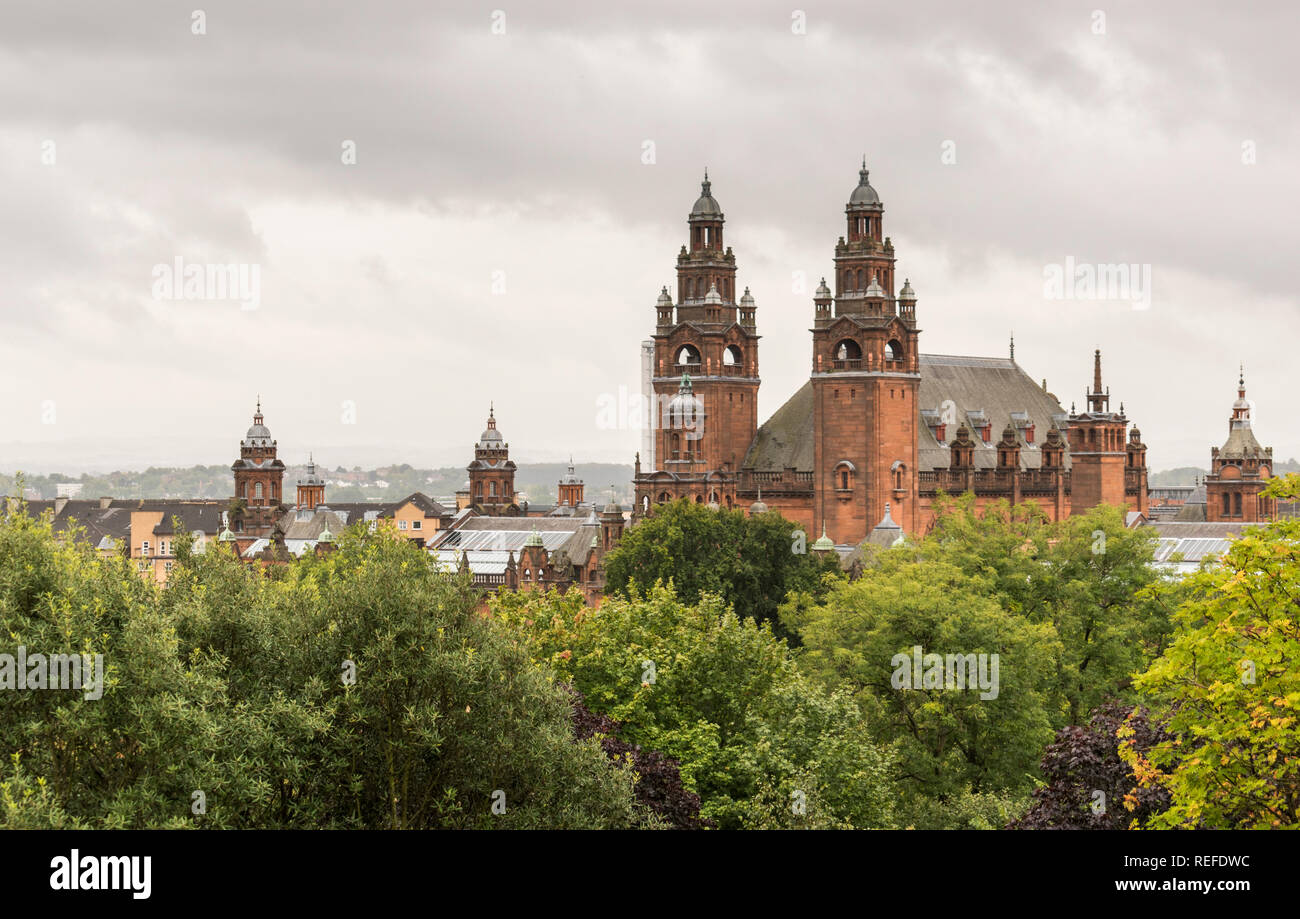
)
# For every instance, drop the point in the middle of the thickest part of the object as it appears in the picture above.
(880, 428)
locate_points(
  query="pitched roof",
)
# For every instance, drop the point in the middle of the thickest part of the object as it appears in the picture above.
(995, 390)
(430, 507)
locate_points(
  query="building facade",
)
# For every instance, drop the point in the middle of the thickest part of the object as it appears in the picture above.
(1239, 471)
(879, 424)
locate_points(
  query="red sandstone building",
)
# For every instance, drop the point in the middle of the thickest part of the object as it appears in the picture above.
(880, 428)
(1239, 470)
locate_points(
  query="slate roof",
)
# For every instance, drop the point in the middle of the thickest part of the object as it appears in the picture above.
(308, 525)
(430, 507)
(349, 512)
(992, 389)
(112, 522)
(1241, 443)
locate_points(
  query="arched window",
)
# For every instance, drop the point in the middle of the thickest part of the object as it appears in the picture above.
(257, 491)
(645, 504)
(847, 354)
(688, 354)
(664, 497)
(731, 357)
(492, 489)
(893, 350)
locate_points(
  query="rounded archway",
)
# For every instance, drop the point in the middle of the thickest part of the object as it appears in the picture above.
(688, 355)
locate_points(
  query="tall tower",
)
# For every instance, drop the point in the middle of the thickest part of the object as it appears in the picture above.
(492, 474)
(1239, 470)
(258, 477)
(1098, 452)
(570, 488)
(706, 348)
(865, 377)
(311, 490)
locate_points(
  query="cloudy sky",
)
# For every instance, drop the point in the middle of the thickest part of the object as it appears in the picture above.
(521, 182)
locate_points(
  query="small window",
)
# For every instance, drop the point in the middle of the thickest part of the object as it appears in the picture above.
(415, 524)
(401, 524)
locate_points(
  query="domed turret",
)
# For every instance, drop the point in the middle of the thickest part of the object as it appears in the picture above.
(907, 293)
(824, 543)
(491, 438)
(706, 206)
(259, 435)
(864, 195)
(686, 411)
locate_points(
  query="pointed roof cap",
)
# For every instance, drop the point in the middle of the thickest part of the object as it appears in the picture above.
(824, 543)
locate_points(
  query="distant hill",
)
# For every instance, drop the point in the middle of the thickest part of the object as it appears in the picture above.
(1187, 475)
(385, 483)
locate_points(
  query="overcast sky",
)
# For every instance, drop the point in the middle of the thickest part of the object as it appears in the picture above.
(1003, 138)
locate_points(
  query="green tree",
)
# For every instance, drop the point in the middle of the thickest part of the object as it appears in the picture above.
(952, 740)
(761, 744)
(752, 561)
(237, 686)
(1228, 689)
